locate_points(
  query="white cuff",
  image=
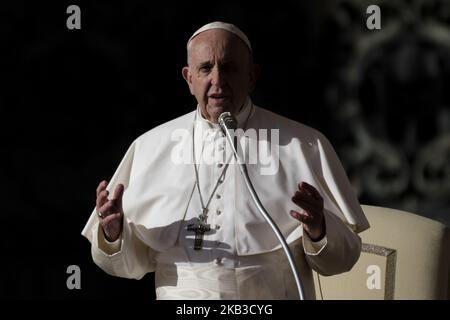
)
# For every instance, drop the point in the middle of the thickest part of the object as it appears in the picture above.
(313, 247)
(106, 246)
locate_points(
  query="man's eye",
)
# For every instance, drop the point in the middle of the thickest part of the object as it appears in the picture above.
(205, 68)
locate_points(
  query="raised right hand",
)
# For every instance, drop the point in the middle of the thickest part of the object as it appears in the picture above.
(111, 210)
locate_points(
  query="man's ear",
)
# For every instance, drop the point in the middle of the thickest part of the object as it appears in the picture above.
(255, 71)
(187, 76)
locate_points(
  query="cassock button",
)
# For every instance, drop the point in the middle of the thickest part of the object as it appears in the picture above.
(217, 227)
(219, 165)
(218, 196)
(221, 148)
(218, 212)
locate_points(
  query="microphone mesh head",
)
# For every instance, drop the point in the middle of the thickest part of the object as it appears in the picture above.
(227, 121)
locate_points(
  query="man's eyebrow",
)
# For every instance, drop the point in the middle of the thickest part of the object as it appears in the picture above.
(204, 64)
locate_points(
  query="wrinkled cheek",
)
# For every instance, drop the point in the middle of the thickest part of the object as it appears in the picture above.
(200, 95)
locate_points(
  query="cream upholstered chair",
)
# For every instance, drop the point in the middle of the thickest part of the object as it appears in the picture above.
(404, 256)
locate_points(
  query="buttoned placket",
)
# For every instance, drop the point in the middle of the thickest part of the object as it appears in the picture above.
(221, 243)
(221, 232)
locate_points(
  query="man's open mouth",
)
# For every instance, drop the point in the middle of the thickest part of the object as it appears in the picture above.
(219, 96)
(219, 100)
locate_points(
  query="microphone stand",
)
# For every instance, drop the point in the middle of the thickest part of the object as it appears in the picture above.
(224, 120)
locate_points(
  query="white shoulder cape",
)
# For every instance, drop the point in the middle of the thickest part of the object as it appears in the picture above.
(157, 190)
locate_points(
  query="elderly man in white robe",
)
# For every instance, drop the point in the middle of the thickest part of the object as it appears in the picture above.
(147, 217)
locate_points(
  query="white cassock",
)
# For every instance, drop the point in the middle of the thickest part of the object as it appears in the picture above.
(241, 256)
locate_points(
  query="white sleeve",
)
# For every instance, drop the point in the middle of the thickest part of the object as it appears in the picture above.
(122, 175)
(106, 246)
(339, 197)
(340, 250)
(313, 247)
(128, 257)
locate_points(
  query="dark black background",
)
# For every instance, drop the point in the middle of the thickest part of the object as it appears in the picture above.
(72, 102)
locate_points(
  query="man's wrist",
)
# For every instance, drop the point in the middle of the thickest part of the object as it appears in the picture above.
(320, 237)
(322, 234)
(107, 238)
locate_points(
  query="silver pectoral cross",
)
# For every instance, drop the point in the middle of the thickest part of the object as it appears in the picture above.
(200, 227)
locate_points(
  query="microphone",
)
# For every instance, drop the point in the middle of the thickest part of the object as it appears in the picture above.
(227, 122)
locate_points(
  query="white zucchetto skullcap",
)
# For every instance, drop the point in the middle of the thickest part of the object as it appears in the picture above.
(225, 26)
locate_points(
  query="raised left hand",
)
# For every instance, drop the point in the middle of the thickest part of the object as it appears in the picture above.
(311, 214)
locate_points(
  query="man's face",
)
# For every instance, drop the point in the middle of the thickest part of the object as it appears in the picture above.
(220, 74)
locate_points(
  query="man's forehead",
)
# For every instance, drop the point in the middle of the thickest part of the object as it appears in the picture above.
(217, 41)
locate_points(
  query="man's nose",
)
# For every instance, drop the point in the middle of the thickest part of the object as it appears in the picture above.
(217, 76)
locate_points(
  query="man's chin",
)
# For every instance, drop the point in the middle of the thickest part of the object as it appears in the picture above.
(215, 111)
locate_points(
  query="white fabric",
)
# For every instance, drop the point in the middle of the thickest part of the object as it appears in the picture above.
(225, 26)
(196, 276)
(156, 200)
(262, 276)
(160, 200)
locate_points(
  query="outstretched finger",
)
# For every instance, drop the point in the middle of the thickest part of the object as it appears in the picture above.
(102, 198)
(101, 186)
(305, 197)
(108, 208)
(106, 220)
(311, 190)
(118, 193)
(306, 206)
(302, 217)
